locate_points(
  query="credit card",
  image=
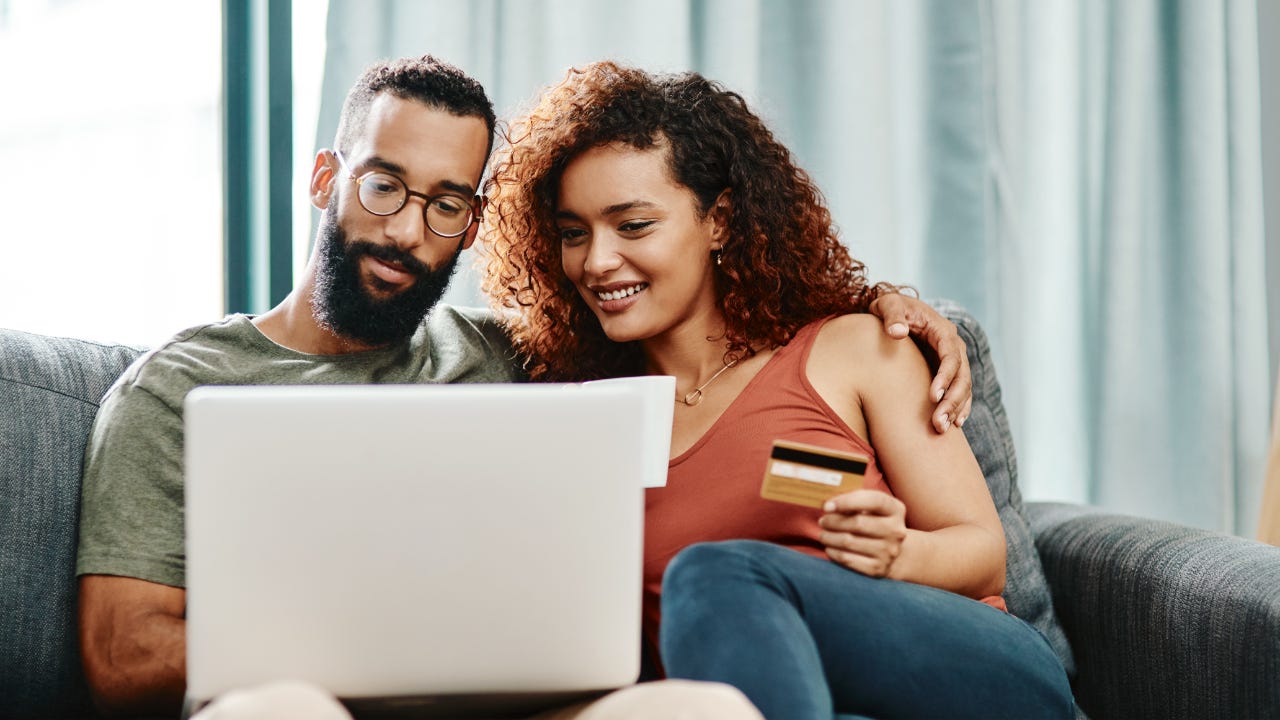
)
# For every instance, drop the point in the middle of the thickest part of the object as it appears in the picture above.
(810, 475)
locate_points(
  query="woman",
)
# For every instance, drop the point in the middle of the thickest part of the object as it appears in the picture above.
(644, 224)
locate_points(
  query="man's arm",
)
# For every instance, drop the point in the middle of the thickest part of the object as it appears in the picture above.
(130, 559)
(134, 645)
(952, 386)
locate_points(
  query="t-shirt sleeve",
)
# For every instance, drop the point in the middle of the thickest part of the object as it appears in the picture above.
(131, 506)
(485, 347)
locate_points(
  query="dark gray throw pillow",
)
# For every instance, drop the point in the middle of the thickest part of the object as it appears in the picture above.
(1026, 590)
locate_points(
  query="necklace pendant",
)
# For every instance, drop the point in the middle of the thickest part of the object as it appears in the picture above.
(693, 398)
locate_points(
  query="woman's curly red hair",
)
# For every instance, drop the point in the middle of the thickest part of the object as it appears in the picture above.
(782, 266)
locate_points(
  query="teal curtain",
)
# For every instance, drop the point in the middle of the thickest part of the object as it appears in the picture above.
(1083, 175)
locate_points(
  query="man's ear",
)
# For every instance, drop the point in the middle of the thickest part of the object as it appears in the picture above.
(470, 237)
(322, 180)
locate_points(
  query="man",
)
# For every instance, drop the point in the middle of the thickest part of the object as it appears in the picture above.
(399, 195)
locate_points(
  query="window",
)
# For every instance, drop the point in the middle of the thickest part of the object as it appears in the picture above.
(110, 195)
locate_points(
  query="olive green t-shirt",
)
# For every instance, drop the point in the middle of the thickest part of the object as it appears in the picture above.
(131, 517)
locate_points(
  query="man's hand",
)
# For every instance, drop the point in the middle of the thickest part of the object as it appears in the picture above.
(952, 387)
(134, 644)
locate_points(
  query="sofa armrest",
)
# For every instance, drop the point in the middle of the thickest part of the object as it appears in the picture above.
(1165, 621)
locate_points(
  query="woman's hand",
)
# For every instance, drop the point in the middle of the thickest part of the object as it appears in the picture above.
(864, 530)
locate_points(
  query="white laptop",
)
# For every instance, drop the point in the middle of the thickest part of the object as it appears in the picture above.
(463, 550)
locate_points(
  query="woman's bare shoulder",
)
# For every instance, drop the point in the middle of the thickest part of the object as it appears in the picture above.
(861, 336)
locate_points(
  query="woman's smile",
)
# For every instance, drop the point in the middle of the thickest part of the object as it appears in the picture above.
(617, 297)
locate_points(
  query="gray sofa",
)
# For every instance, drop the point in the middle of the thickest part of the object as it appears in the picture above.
(1157, 620)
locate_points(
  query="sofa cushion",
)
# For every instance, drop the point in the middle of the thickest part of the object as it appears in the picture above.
(49, 393)
(987, 429)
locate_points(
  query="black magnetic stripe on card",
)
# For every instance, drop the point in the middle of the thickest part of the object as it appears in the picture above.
(853, 467)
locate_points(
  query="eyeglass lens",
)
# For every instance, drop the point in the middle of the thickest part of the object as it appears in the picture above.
(384, 194)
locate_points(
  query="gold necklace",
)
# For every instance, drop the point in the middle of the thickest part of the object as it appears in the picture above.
(695, 397)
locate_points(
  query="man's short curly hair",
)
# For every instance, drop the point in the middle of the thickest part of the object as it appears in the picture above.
(430, 81)
(783, 265)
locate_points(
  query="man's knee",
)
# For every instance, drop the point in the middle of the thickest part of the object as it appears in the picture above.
(275, 701)
(674, 700)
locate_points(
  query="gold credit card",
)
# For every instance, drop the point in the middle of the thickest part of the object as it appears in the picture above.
(810, 475)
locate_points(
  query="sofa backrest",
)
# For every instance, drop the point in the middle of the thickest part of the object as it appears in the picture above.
(49, 393)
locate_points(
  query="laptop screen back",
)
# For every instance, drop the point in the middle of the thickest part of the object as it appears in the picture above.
(416, 540)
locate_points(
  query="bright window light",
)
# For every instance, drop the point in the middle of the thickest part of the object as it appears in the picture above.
(111, 190)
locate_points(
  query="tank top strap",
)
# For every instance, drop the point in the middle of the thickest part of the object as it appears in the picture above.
(792, 357)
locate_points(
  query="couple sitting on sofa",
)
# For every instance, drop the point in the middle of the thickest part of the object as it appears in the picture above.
(639, 224)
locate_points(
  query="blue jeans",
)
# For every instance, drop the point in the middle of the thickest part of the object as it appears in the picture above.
(806, 638)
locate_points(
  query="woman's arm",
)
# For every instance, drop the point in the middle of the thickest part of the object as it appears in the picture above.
(942, 528)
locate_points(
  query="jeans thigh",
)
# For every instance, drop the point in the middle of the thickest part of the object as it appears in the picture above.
(890, 648)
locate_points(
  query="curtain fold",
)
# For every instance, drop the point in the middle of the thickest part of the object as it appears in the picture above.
(1083, 175)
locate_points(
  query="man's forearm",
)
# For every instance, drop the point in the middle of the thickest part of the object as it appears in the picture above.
(142, 672)
(133, 641)
(134, 645)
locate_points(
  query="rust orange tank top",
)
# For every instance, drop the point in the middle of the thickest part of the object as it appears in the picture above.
(713, 489)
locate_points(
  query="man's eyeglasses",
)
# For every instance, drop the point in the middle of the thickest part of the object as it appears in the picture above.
(447, 214)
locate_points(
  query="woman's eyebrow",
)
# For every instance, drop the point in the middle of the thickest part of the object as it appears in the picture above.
(625, 206)
(609, 209)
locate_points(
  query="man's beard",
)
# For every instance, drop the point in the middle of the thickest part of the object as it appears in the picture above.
(342, 303)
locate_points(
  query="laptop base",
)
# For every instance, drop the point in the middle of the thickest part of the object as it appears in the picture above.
(493, 706)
